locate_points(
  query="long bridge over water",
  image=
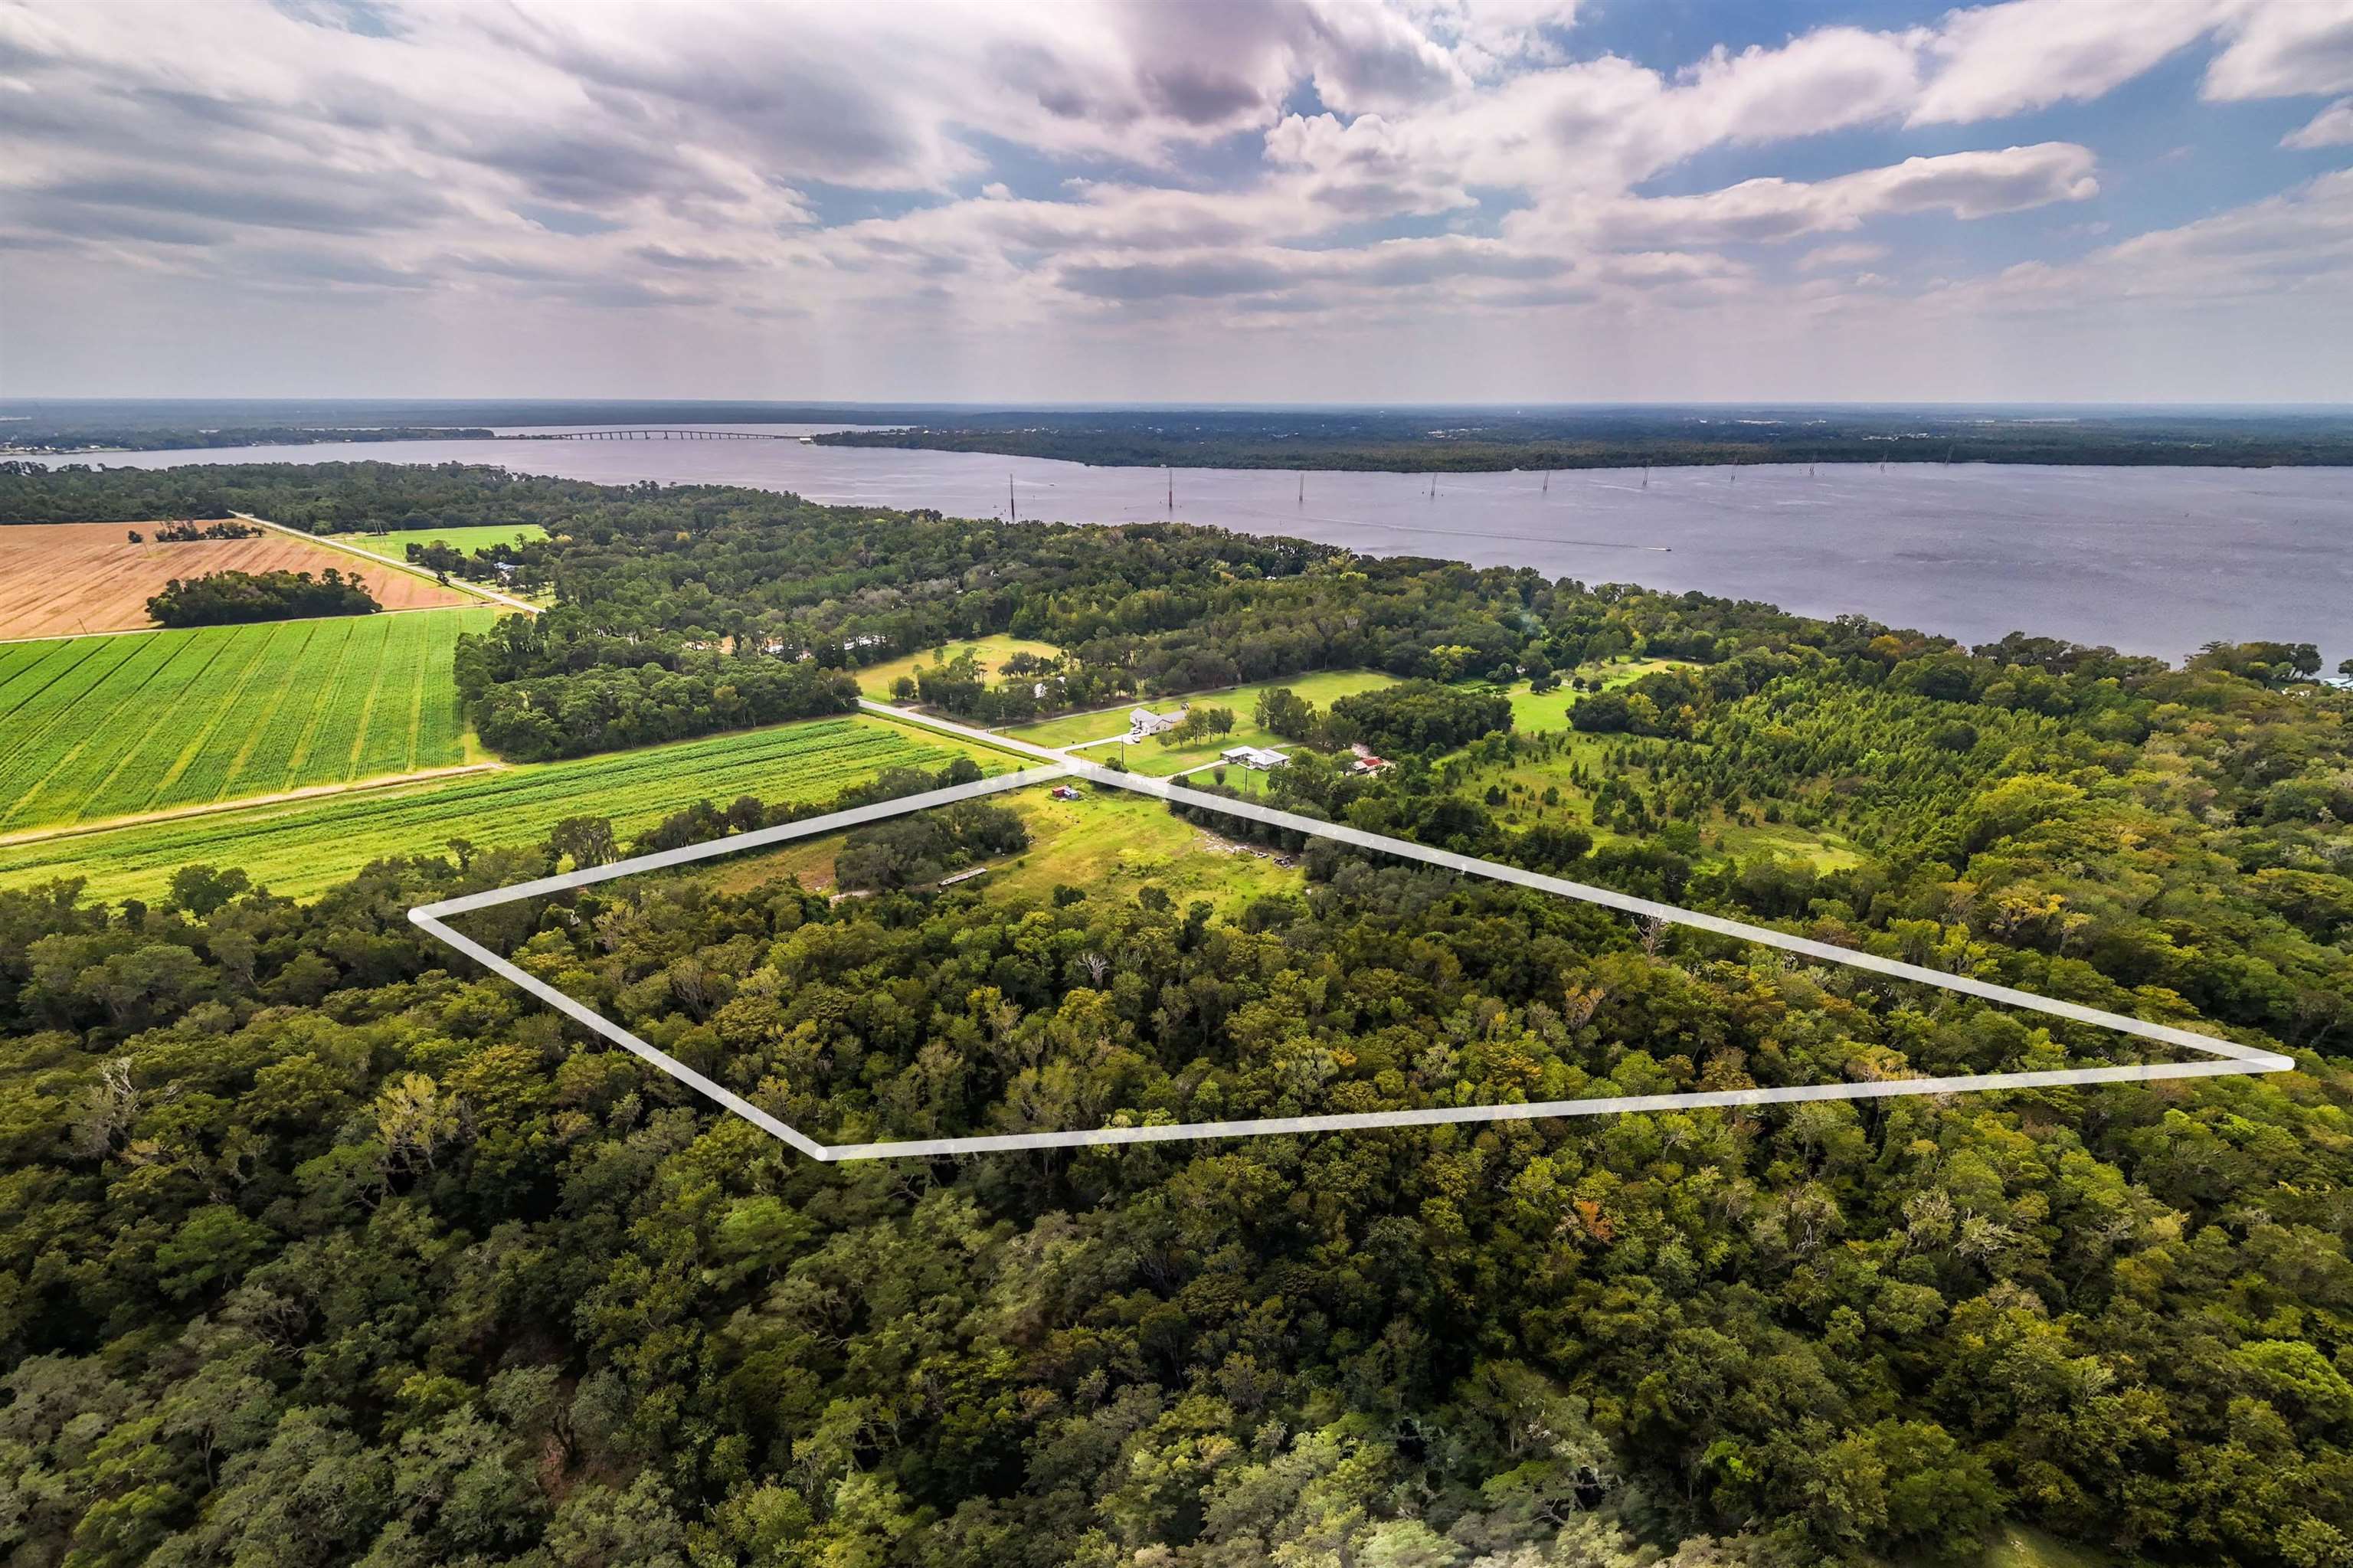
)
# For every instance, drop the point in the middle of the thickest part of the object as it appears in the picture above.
(659, 435)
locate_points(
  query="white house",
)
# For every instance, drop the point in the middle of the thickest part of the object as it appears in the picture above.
(1142, 722)
(1257, 757)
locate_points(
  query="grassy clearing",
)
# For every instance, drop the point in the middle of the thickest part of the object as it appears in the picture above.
(95, 728)
(1319, 688)
(875, 678)
(467, 541)
(1524, 780)
(299, 848)
(1108, 844)
(1531, 714)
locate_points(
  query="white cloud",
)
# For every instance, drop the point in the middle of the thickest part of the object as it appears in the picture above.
(1964, 184)
(1853, 254)
(1364, 169)
(2005, 60)
(2295, 245)
(1043, 169)
(1824, 81)
(2332, 127)
(2284, 48)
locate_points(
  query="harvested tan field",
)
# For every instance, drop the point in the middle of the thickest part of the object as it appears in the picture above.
(62, 578)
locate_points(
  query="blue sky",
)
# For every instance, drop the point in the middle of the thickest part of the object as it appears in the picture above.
(1258, 200)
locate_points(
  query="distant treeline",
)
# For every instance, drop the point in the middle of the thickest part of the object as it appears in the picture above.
(1466, 440)
(228, 598)
(146, 441)
(320, 498)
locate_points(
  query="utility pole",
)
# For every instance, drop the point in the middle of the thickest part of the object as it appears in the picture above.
(1012, 512)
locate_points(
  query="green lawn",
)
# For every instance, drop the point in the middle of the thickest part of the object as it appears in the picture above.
(1530, 713)
(299, 848)
(1109, 843)
(466, 541)
(1151, 757)
(94, 727)
(875, 678)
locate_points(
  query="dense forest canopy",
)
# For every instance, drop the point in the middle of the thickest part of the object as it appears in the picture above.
(321, 1247)
(229, 598)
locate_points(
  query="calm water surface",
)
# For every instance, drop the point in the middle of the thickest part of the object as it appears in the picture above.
(2155, 560)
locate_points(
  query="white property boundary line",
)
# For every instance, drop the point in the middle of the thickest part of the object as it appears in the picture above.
(2221, 1057)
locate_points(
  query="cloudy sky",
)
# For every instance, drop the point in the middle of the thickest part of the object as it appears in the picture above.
(1228, 200)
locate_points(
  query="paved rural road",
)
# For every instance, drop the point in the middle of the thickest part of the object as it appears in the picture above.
(508, 600)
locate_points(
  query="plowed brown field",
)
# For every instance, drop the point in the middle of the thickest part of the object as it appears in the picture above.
(61, 577)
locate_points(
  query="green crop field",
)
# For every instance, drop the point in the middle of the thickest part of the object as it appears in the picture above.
(300, 847)
(93, 728)
(464, 540)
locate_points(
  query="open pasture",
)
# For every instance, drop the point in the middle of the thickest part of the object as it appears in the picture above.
(93, 728)
(60, 579)
(875, 679)
(465, 541)
(299, 848)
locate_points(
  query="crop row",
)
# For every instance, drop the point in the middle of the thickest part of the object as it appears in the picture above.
(218, 730)
(102, 726)
(300, 847)
(174, 740)
(112, 750)
(60, 720)
(326, 750)
(388, 733)
(440, 727)
(282, 713)
(26, 667)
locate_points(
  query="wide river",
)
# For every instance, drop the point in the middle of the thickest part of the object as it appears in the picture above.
(2151, 560)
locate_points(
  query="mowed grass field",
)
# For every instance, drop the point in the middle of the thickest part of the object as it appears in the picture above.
(875, 678)
(1530, 713)
(1109, 843)
(95, 728)
(464, 540)
(299, 848)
